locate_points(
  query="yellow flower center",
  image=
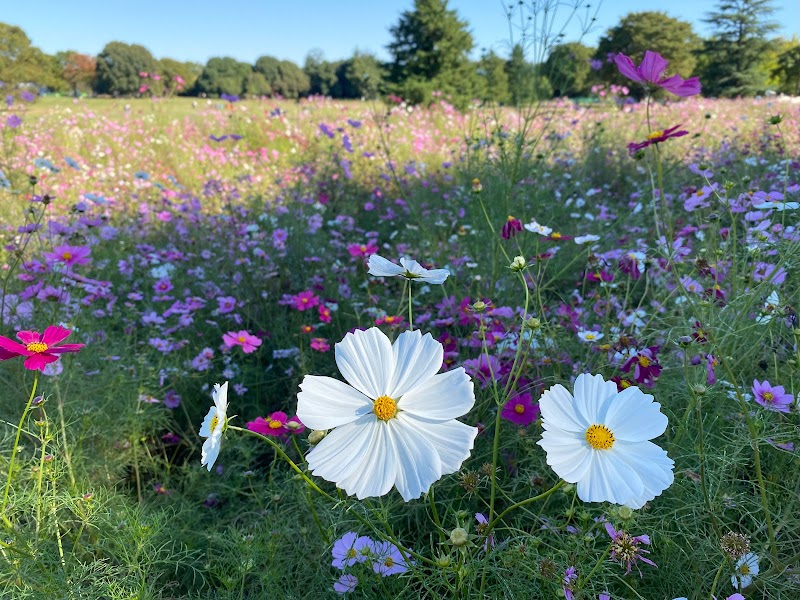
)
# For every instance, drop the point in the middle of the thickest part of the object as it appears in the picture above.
(744, 569)
(519, 409)
(555, 235)
(655, 134)
(768, 396)
(511, 218)
(699, 193)
(275, 424)
(363, 248)
(351, 553)
(37, 347)
(625, 383)
(599, 437)
(240, 339)
(389, 562)
(644, 361)
(214, 423)
(590, 336)
(384, 407)
(66, 255)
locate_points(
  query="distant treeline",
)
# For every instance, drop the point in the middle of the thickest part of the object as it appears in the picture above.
(430, 50)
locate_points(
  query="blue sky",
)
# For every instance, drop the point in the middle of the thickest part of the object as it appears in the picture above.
(288, 29)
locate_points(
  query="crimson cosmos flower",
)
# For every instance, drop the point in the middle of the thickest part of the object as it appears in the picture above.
(40, 349)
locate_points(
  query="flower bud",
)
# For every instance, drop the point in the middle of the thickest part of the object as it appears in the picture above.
(459, 537)
(315, 437)
(518, 263)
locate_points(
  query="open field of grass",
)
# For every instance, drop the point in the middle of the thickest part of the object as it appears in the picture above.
(187, 243)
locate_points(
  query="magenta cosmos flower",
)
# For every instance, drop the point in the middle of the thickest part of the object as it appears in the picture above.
(276, 425)
(40, 349)
(774, 398)
(520, 410)
(651, 71)
(661, 135)
(69, 255)
(248, 342)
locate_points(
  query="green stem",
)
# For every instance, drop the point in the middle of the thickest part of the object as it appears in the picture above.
(716, 579)
(410, 317)
(6, 520)
(600, 561)
(542, 496)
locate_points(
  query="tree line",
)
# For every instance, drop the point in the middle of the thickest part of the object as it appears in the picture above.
(430, 55)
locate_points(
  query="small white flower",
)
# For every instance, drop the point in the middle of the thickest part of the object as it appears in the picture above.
(535, 227)
(213, 425)
(395, 424)
(599, 440)
(410, 269)
(746, 569)
(585, 239)
(771, 307)
(518, 263)
(589, 336)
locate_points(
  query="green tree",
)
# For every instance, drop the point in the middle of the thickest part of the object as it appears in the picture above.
(492, 70)
(672, 38)
(22, 63)
(787, 70)
(225, 76)
(736, 55)
(526, 82)
(179, 76)
(568, 69)
(283, 76)
(430, 51)
(118, 68)
(361, 76)
(321, 73)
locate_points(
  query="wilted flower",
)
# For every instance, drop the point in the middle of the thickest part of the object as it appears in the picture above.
(625, 548)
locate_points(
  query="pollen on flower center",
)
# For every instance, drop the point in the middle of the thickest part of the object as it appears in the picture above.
(768, 396)
(519, 409)
(655, 134)
(214, 423)
(37, 347)
(66, 255)
(644, 361)
(599, 437)
(384, 407)
(275, 424)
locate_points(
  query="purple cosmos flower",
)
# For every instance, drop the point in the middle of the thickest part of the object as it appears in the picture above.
(483, 523)
(625, 548)
(346, 583)
(511, 227)
(570, 576)
(645, 364)
(13, 121)
(521, 410)
(656, 137)
(388, 561)
(350, 549)
(774, 398)
(651, 71)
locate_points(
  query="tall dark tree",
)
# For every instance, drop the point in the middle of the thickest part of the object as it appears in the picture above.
(674, 39)
(787, 70)
(118, 68)
(430, 51)
(284, 77)
(568, 69)
(736, 55)
(361, 76)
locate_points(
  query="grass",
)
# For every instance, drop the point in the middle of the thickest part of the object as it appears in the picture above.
(191, 238)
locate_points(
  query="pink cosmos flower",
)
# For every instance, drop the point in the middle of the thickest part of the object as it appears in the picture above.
(320, 344)
(248, 342)
(774, 398)
(40, 349)
(521, 410)
(305, 300)
(362, 250)
(651, 71)
(69, 255)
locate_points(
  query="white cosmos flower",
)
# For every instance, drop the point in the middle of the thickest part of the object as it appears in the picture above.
(394, 425)
(599, 440)
(536, 227)
(589, 336)
(585, 239)
(213, 425)
(410, 269)
(746, 569)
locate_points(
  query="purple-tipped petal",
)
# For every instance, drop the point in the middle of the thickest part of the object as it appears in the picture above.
(626, 67)
(653, 66)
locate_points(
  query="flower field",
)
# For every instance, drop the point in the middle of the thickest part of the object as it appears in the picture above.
(274, 349)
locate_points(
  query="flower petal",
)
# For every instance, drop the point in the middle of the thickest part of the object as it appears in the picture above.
(652, 465)
(325, 403)
(598, 484)
(29, 337)
(593, 395)
(567, 454)
(65, 348)
(381, 267)
(418, 462)
(653, 66)
(55, 334)
(626, 67)
(210, 451)
(205, 428)
(417, 358)
(443, 397)
(558, 410)
(12, 347)
(453, 440)
(634, 417)
(39, 361)
(366, 361)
